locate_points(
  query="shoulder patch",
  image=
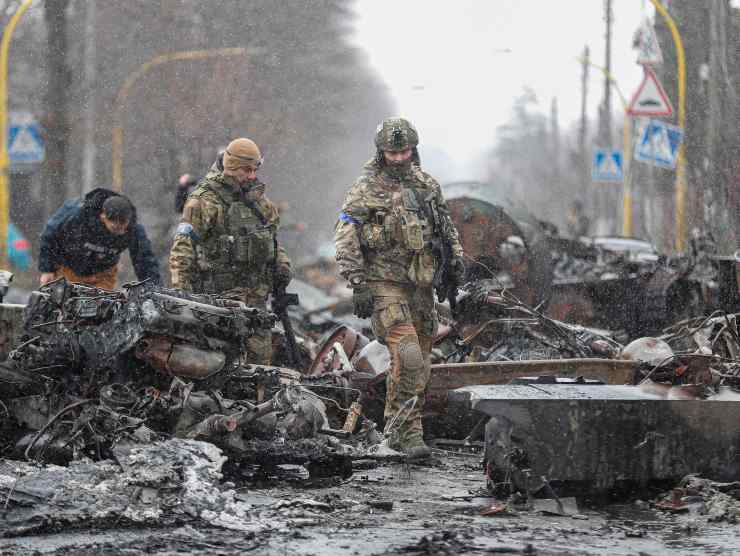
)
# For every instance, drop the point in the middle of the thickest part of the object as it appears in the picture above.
(186, 229)
(347, 219)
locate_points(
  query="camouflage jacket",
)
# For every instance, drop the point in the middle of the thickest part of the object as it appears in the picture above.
(226, 240)
(385, 229)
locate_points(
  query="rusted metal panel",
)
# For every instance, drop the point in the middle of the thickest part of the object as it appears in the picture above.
(446, 377)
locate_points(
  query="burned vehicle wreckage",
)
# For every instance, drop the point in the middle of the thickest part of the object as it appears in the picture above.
(96, 369)
(606, 282)
(137, 405)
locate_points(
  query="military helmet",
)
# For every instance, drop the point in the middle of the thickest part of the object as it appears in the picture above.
(396, 134)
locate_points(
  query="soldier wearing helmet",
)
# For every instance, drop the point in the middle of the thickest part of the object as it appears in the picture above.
(384, 239)
(226, 242)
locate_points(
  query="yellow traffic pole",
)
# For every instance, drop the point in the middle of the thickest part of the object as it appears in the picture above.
(4, 158)
(123, 92)
(680, 192)
(626, 154)
(627, 184)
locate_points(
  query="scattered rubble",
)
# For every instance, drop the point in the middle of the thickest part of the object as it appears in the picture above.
(98, 369)
(135, 408)
(718, 502)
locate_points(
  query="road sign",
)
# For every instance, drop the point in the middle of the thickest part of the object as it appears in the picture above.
(658, 144)
(607, 166)
(650, 99)
(648, 45)
(25, 142)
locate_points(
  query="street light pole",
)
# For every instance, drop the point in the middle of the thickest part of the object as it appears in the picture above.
(680, 199)
(123, 92)
(4, 157)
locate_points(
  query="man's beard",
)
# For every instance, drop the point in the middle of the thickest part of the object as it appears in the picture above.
(398, 169)
(252, 189)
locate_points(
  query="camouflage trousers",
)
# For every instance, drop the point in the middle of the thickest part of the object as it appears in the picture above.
(404, 319)
(259, 345)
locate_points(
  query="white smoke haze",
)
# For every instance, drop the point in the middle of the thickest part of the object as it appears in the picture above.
(455, 69)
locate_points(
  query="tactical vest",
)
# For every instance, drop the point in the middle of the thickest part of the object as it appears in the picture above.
(399, 233)
(240, 250)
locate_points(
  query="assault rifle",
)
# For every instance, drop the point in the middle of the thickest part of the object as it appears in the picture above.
(280, 303)
(444, 281)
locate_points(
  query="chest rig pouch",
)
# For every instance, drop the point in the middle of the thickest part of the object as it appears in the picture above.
(251, 242)
(418, 235)
(375, 232)
(411, 222)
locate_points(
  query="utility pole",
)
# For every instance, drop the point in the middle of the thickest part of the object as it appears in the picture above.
(555, 139)
(89, 150)
(607, 198)
(730, 141)
(605, 119)
(583, 128)
(716, 217)
(57, 124)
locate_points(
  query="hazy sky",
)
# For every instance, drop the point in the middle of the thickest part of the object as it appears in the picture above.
(455, 68)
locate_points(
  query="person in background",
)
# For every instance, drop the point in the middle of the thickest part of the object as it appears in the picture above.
(84, 239)
(185, 186)
(578, 223)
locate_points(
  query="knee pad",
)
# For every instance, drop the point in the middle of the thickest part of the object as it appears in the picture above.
(409, 353)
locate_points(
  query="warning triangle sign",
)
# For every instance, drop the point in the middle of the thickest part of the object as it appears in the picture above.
(650, 98)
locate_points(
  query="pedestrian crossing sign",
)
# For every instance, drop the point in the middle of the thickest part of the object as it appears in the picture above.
(25, 142)
(658, 144)
(607, 166)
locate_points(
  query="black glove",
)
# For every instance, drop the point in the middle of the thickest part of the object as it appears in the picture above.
(362, 298)
(282, 278)
(458, 270)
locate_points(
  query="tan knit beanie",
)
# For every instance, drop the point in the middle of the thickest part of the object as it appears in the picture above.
(240, 153)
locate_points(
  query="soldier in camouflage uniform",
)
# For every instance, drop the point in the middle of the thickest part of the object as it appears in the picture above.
(384, 239)
(226, 242)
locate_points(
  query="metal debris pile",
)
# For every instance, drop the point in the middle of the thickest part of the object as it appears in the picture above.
(625, 284)
(719, 502)
(575, 260)
(98, 369)
(701, 351)
(164, 483)
(493, 325)
(143, 388)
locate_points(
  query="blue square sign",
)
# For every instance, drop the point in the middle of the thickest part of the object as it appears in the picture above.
(658, 144)
(25, 141)
(607, 166)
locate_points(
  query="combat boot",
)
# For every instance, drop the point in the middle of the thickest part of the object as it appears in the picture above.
(414, 447)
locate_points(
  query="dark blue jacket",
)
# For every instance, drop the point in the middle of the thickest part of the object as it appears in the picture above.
(76, 238)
